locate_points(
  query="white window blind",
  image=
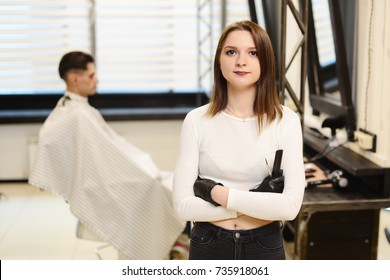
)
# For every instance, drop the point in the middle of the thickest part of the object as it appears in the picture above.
(33, 36)
(323, 31)
(141, 46)
(146, 45)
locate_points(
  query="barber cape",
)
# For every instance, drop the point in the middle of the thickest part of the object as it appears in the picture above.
(112, 187)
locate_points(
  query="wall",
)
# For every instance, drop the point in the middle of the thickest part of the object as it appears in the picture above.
(373, 88)
(159, 138)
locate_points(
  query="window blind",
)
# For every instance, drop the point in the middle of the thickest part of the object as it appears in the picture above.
(139, 46)
(33, 36)
(323, 31)
(146, 45)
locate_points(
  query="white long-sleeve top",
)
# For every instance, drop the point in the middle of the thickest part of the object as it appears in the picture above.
(231, 151)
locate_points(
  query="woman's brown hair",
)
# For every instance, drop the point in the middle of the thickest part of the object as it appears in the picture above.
(266, 104)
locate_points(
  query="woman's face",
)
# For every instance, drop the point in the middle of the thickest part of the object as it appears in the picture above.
(239, 62)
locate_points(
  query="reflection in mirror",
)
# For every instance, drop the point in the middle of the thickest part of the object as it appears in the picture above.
(325, 47)
(328, 74)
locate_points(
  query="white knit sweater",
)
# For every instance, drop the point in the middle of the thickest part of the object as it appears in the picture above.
(233, 152)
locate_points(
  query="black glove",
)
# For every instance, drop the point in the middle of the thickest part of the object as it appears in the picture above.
(203, 187)
(270, 184)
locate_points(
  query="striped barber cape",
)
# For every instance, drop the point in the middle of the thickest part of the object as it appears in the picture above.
(112, 187)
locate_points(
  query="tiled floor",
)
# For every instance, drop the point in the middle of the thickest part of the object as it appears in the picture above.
(35, 224)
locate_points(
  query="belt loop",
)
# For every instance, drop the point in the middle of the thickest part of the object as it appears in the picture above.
(219, 232)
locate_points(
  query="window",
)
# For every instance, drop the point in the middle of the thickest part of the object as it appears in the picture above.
(142, 48)
(323, 32)
(146, 46)
(328, 75)
(33, 36)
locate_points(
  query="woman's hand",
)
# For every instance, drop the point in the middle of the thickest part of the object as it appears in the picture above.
(220, 194)
(202, 189)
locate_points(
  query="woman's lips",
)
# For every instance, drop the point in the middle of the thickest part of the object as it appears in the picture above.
(240, 73)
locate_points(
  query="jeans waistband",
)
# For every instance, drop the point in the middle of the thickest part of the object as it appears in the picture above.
(244, 235)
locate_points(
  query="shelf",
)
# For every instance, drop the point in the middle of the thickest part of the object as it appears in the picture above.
(345, 158)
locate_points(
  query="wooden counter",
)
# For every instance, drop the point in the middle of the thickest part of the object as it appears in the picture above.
(340, 223)
(337, 225)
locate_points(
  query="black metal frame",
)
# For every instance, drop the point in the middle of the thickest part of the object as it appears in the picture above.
(252, 11)
(34, 108)
(278, 39)
(301, 18)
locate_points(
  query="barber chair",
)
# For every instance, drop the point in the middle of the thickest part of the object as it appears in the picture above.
(82, 232)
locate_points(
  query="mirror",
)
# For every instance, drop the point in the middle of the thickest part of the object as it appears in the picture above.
(328, 71)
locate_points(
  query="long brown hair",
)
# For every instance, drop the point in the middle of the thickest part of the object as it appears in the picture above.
(266, 104)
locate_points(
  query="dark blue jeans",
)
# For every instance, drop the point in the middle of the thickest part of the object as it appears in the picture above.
(210, 242)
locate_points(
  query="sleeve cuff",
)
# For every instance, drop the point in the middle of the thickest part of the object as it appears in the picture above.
(231, 201)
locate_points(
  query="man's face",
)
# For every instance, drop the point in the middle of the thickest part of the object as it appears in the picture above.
(86, 81)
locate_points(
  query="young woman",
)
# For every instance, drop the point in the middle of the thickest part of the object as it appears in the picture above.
(231, 142)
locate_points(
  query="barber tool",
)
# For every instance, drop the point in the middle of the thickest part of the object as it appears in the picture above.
(274, 182)
(336, 178)
(276, 171)
(268, 168)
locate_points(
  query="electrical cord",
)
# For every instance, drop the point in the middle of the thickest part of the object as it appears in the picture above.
(325, 151)
(369, 65)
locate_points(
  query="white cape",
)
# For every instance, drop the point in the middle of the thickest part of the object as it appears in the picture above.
(111, 186)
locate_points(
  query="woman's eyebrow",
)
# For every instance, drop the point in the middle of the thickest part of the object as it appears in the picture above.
(233, 47)
(230, 47)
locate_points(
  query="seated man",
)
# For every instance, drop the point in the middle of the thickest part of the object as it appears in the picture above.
(112, 187)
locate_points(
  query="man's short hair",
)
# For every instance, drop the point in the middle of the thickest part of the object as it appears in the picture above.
(74, 61)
